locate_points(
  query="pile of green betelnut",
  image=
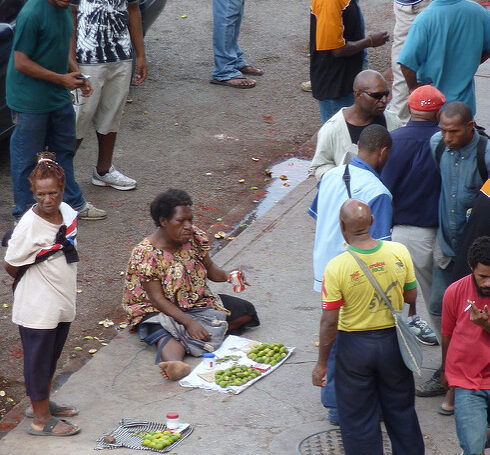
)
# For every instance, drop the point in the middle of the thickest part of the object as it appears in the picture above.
(236, 375)
(268, 353)
(158, 440)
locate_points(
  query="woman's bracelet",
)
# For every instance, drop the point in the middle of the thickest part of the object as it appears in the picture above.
(371, 40)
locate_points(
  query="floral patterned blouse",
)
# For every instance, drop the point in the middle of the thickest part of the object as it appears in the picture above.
(182, 275)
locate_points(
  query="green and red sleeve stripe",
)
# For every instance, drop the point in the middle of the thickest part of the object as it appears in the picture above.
(409, 286)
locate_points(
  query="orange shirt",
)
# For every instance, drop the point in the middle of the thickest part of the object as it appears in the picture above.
(329, 24)
(486, 188)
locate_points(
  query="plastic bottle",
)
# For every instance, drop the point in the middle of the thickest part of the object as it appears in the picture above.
(172, 421)
(208, 360)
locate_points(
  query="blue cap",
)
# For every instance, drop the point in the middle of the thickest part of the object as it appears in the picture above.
(208, 355)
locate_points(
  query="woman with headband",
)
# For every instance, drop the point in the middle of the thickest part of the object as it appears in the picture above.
(41, 257)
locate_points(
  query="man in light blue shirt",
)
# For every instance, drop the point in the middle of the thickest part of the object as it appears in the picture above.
(365, 186)
(374, 147)
(444, 47)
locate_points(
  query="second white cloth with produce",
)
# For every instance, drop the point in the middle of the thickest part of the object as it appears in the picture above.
(234, 353)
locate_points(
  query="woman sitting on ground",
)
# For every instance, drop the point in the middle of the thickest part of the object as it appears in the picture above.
(41, 257)
(166, 295)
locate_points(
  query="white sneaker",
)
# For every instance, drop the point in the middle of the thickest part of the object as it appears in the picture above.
(306, 86)
(113, 178)
(90, 212)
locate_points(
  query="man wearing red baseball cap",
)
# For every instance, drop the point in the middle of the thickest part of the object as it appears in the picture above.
(412, 177)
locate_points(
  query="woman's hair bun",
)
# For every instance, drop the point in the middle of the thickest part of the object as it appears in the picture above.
(46, 156)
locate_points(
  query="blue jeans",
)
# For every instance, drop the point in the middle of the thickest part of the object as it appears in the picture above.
(32, 133)
(369, 375)
(328, 392)
(330, 107)
(441, 279)
(365, 59)
(472, 415)
(227, 18)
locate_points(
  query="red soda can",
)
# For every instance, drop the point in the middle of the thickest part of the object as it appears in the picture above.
(236, 280)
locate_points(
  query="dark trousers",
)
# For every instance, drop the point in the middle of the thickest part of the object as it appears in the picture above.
(239, 307)
(370, 375)
(42, 349)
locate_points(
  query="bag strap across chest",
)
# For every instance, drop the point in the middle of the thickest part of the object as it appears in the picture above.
(481, 148)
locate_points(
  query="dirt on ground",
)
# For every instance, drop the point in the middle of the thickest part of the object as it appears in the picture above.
(180, 131)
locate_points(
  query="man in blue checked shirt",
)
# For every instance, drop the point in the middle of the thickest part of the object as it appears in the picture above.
(462, 175)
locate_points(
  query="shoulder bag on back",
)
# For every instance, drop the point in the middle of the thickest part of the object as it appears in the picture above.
(407, 342)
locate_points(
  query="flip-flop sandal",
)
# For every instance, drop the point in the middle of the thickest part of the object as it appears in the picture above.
(445, 412)
(48, 429)
(55, 410)
(253, 70)
(227, 82)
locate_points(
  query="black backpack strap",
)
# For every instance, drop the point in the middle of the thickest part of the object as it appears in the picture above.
(439, 151)
(481, 148)
(346, 179)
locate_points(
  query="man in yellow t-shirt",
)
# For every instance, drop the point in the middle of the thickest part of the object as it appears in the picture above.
(370, 374)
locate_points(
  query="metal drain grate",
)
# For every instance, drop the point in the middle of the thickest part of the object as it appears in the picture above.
(330, 443)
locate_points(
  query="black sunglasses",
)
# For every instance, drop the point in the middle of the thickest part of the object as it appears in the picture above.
(376, 95)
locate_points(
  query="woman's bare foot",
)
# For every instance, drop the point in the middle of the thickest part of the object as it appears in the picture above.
(174, 369)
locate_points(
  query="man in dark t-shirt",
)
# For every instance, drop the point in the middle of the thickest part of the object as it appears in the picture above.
(336, 46)
(38, 94)
(414, 181)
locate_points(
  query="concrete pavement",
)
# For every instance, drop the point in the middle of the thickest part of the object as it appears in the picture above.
(271, 416)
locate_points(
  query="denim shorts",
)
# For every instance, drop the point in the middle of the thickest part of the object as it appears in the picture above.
(472, 416)
(151, 334)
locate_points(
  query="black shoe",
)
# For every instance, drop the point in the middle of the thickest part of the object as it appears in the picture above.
(432, 387)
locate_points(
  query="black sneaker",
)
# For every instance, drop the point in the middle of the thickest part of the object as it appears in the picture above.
(432, 387)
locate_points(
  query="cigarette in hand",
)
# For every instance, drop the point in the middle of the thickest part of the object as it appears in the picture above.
(470, 302)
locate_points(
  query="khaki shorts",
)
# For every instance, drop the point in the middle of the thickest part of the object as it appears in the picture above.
(110, 83)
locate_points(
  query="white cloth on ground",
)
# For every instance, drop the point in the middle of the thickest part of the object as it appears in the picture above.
(233, 345)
